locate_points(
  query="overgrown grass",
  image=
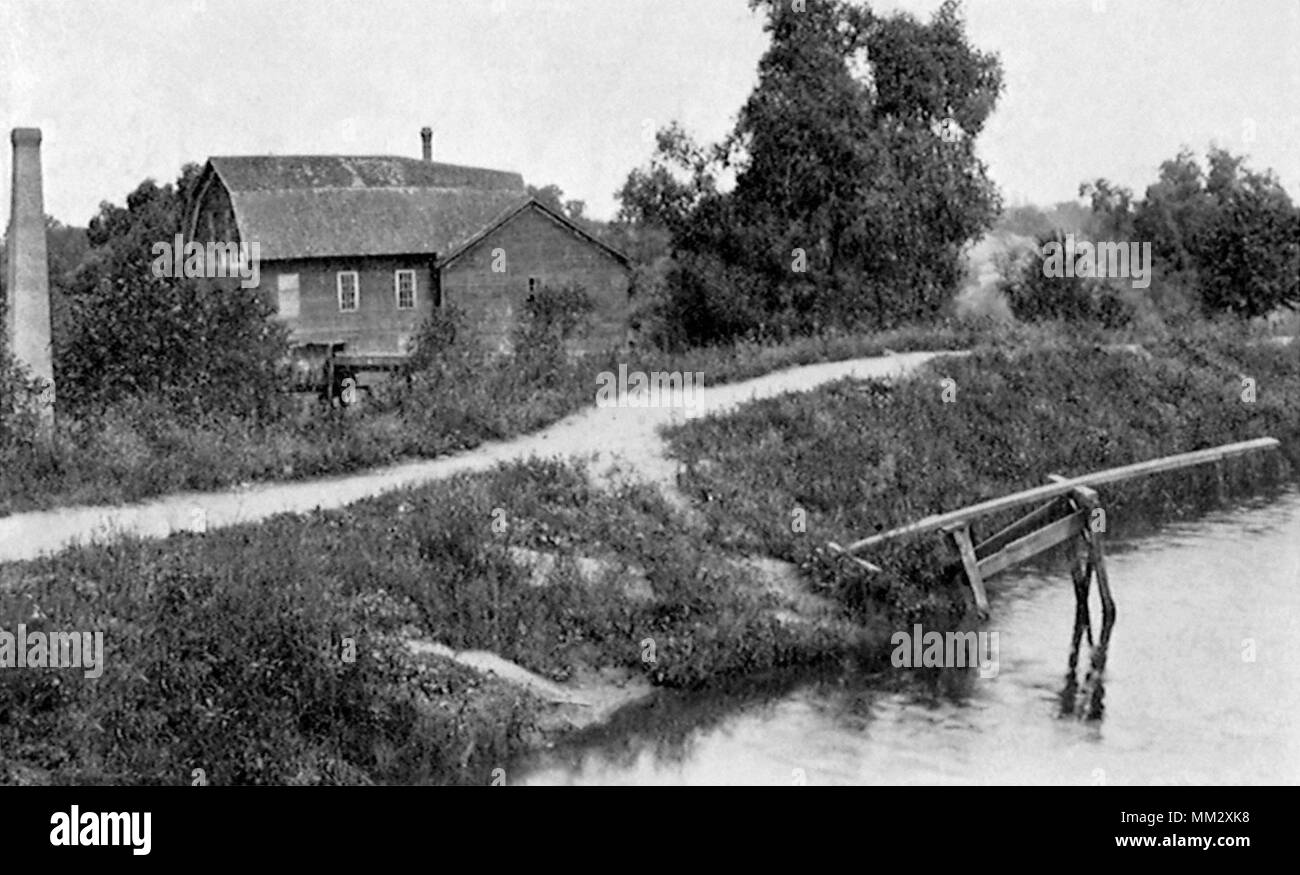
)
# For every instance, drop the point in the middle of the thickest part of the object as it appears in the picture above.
(225, 652)
(858, 458)
(140, 448)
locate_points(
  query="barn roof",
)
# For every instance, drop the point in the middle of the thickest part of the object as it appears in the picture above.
(312, 206)
(277, 172)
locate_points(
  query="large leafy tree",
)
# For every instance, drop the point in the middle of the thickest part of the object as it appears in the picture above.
(1173, 215)
(1248, 244)
(198, 346)
(856, 179)
(1228, 234)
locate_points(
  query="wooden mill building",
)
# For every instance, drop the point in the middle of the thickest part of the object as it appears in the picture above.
(357, 251)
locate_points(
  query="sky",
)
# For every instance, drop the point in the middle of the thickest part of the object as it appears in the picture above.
(570, 91)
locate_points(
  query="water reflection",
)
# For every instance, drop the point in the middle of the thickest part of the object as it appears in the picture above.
(1086, 701)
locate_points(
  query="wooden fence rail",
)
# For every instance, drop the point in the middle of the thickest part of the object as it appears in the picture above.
(1060, 487)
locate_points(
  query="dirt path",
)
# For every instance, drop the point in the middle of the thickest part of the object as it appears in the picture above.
(623, 440)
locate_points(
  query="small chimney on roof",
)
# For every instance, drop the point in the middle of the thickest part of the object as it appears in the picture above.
(426, 138)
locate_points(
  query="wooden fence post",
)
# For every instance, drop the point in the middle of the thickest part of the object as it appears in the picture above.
(961, 537)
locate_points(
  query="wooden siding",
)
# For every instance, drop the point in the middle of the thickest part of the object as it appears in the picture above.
(377, 326)
(537, 246)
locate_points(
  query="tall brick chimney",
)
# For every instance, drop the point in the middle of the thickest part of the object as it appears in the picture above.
(27, 319)
(426, 138)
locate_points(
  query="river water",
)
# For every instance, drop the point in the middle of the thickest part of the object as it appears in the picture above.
(1202, 686)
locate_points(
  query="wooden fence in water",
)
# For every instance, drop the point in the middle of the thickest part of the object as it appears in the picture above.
(1070, 502)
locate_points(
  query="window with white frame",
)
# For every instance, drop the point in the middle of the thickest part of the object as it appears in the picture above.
(349, 291)
(287, 303)
(404, 286)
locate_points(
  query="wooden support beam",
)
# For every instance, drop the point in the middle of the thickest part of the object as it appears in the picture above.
(839, 551)
(961, 536)
(1086, 498)
(1020, 528)
(1034, 543)
(1088, 502)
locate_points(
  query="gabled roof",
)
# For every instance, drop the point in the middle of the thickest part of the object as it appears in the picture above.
(313, 206)
(470, 242)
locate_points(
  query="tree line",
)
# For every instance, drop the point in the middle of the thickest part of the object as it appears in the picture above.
(841, 199)
(1224, 239)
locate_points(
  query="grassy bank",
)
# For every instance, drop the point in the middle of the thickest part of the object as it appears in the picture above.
(226, 652)
(278, 652)
(860, 458)
(140, 448)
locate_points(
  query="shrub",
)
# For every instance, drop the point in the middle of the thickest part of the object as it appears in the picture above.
(1035, 297)
(17, 389)
(203, 346)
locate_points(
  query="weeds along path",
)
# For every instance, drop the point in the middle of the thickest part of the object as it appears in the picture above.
(622, 441)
